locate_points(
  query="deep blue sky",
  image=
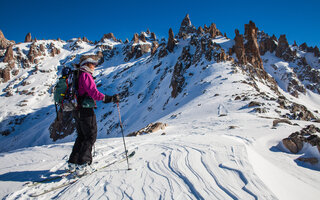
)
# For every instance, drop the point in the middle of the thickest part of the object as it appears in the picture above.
(299, 20)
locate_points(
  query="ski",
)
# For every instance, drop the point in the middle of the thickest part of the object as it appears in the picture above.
(63, 175)
(49, 179)
(74, 179)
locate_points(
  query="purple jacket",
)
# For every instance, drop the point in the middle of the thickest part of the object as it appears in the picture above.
(88, 86)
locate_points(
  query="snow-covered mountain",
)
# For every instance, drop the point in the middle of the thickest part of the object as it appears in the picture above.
(242, 115)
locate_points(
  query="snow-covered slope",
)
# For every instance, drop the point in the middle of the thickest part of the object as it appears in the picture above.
(220, 142)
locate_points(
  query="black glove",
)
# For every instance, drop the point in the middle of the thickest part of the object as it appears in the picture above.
(108, 99)
(115, 98)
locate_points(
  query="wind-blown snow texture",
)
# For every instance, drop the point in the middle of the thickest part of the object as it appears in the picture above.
(215, 147)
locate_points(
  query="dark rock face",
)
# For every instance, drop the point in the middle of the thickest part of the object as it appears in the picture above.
(4, 43)
(239, 49)
(213, 31)
(153, 36)
(154, 47)
(171, 41)
(283, 50)
(186, 27)
(248, 55)
(142, 37)
(200, 30)
(28, 38)
(295, 142)
(137, 51)
(135, 38)
(5, 74)
(33, 53)
(85, 39)
(108, 36)
(178, 80)
(267, 44)
(8, 57)
(252, 47)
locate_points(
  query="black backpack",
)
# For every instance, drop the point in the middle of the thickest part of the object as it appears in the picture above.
(65, 92)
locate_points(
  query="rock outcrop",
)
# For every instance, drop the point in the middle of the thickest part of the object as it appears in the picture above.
(171, 41)
(28, 38)
(135, 38)
(251, 46)
(5, 74)
(186, 27)
(213, 31)
(248, 55)
(34, 52)
(85, 39)
(150, 128)
(154, 47)
(8, 57)
(109, 36)
(283, 49)
(295, 142)
(267, 43)
(178, 80)
(4, 43)
(153, 36)
(239, 49)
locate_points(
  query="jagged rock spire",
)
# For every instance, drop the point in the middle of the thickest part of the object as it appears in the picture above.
(4, 43)
(8, 55)
(186, 27)
(252, 47)
(283, 49)
(28, 38)
(135, 38)
(171, 41)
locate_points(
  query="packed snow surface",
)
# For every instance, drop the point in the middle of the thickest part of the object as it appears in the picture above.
(200, 157)
(215, 147)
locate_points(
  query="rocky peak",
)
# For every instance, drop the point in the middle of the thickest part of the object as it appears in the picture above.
(171, 41)
(153, 36)
(213, 31)
(135, 38)
(108, 36)
(267, 43)
(303, 46)
(238, 48)
(33, 53)
(252, 47)
(186, 27)
(28, 38)
(283, 49)
(8, 57)
(200, 30)
(4, 43)
(142, 37)
(85, 39)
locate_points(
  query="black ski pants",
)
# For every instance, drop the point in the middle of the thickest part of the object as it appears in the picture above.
(86, 125)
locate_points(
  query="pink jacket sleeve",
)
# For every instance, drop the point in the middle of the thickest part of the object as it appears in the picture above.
(90, 87)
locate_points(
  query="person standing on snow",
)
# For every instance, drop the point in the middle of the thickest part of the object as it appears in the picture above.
(85, 118)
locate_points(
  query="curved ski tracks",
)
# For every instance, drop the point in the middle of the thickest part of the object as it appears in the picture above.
(173, 167)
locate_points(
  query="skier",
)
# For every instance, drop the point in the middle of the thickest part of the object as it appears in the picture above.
(85, 118)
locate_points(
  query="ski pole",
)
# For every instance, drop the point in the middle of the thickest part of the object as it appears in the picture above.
(124, 142)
